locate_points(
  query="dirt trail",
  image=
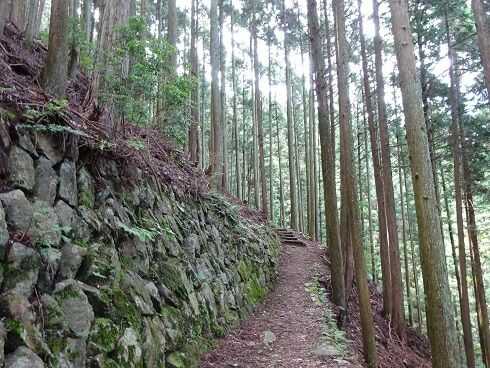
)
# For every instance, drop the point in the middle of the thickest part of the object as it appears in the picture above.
(284, 331)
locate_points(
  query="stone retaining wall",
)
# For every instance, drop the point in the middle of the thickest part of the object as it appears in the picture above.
(104, 267)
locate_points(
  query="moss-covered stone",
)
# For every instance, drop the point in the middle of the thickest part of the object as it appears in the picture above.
(123, 308)
(254, 290)
(151, 277)
(103, 336)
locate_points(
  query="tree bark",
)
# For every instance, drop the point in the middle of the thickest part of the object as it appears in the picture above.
(440, 315)
(282, 211)
(18, 13)
(473, 236)
(483, 32)
(235, 109)
(350, 190)
(172, 33)
(289, 114)
(216, 148)
(330, 79)
(368, 194)
(299, 194)
(328, 170)
(222, 70)
(264, 202)
(31, 22)
(254, 109)
(87, 16)
(269, 77)
(397, 313)
(39, 16)
(55, 72)
(453, 246)
(458, 183)
(310, 225)
(413, 254)
(404, 232)
(384, 245)
(195, 113)
(74, 45)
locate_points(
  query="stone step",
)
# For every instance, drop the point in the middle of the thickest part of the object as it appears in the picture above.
(287, 234)
(297, 243)
(291, 239)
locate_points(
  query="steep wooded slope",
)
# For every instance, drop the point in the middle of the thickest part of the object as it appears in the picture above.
(113, 252)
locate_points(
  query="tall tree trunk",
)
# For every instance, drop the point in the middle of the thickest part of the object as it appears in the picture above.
(299, 194)
(450, 230)
(378, 182)
(281, 184)
(310, 225)
(18, 13)
(87, 16)
(195, 114)
(55, 72)
(31, 22)
(269, 77)
(39, 16)
(345, 229)
(404, 232)
(216, 148)
(244, 144)
(420, 16)
(413, 254)
(289, 113)
(458, 183)
(264, 202)
(330, 79)
(328, 169)
(235, 108)
(453, 246)
(368, 194)
(313, 155)
(222, 70)
(74, 43)
(254, 110)
(202, 79)
(358, 135)
(397, 313)
(350, 189)
(473, 236)
(483, 32)
(440, 317)
(172, 32)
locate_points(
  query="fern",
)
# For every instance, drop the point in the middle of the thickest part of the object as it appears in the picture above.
(141, 233)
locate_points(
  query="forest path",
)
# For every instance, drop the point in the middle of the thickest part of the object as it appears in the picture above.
(291, 328)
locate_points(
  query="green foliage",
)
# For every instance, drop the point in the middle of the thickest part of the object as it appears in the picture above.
(139, 73)
(51, 109)
(85, 48)
(42, 119)
(140, 232)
